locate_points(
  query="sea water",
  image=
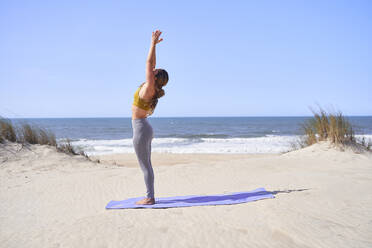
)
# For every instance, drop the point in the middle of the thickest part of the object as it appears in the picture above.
(188, 134)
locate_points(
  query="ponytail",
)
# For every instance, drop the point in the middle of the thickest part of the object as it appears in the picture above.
(160, 82)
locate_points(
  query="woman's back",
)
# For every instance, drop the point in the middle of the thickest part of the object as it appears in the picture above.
(142, 101)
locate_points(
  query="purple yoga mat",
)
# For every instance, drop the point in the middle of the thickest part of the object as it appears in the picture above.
(195, 200)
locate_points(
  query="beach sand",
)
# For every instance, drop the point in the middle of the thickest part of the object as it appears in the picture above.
(323, 198)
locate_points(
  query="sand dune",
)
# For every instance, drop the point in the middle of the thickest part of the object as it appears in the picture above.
(322, 198)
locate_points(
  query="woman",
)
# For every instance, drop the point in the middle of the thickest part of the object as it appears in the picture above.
(145, 100)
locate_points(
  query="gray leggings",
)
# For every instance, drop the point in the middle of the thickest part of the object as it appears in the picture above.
(142, 137)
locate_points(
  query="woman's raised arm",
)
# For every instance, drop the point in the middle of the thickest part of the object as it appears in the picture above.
(151, 58)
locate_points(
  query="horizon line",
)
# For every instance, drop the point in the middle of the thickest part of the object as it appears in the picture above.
(233, 116)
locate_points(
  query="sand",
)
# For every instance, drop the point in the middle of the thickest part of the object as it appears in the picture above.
(323, 198)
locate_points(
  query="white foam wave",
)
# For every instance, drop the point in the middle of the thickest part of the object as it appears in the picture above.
(267, 144)
(367, 137)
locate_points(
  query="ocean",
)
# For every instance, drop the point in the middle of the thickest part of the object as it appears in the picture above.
(97, 136)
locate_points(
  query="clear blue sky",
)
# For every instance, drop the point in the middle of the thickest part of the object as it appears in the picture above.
(224, 58)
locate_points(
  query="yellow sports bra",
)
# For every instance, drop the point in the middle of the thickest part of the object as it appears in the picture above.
(140, 102)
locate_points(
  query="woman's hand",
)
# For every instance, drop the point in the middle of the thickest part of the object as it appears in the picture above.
(155, 37)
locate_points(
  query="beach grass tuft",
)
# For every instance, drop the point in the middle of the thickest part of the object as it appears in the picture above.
(7, 130)
(46, 137)
(324, 126)
(35, 135)
(26, 133)
(66, 147)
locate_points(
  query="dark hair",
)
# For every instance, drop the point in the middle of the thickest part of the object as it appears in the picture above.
(161, 79)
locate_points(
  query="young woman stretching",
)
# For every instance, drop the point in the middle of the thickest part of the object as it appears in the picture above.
(145, 100)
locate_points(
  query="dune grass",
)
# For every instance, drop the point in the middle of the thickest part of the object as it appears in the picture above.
(7, 131)
(332, 127)
(328, 126)
(46, 137)
(35, 135)
(26, 133)
(67, 148)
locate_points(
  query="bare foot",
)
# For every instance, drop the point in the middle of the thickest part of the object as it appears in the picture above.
(146, 201)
